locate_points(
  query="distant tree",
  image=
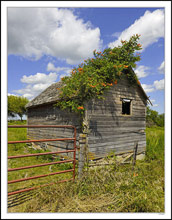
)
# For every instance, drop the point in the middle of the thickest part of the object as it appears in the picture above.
(16, 105)
(153, 118)
(11, 108)
(161, 119)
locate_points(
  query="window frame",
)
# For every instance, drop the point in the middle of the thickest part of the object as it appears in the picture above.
(131, 106)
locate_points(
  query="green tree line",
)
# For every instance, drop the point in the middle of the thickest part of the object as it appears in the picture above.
(153, 118)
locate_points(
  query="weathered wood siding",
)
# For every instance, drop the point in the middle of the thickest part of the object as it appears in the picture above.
(50, 115)
(112, 131)
(109, 129)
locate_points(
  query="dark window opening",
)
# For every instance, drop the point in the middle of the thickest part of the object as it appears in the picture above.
(126, 106)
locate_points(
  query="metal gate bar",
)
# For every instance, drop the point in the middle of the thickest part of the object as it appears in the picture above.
(40, 176)
(39, 165)
(39, 154)
(41, 140)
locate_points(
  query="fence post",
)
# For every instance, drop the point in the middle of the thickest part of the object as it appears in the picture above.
(135, 153)
(82, 153)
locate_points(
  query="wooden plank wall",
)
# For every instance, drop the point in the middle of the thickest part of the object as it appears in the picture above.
(109, 129)
(49, 115)
(112, 131)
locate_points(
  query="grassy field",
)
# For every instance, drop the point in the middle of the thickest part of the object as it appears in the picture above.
(113, 188)
(15, 134)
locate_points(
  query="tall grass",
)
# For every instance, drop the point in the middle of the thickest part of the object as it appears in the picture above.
(106, 190)
(155, 143)
(113, 188)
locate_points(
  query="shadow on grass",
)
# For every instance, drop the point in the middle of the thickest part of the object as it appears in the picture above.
(20, 198)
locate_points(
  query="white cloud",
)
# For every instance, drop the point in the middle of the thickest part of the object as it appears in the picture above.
(155, 105)
(40, 87)
(34, 32)
(39, 78)
(162, 68)
(51, 67)
(12, 94)
(159, 85)
(63, 71)
(27, 95)
(64, 74)
(150, 26)
(141, 71)
(148, 88)
(24, 95)
(36, 84)
(116, 34)
(152, 100)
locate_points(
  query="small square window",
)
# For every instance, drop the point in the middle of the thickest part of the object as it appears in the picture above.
(126, 106)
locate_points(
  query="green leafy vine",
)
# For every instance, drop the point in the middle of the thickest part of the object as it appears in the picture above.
(96, 75)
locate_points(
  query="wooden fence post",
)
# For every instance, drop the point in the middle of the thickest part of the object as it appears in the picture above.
(135, 152)
(82, 153)
(83, 142)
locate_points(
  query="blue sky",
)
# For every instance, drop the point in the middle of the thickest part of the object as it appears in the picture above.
(44, 44)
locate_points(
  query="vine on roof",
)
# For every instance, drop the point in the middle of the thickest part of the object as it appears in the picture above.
(94, 76)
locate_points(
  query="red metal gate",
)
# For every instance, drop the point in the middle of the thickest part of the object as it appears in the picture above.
(46, 153)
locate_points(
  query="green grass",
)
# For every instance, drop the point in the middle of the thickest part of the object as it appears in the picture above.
(17, 122)
(114, 188)
(155, 143)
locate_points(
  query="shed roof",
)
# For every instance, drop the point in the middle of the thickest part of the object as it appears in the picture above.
(51, 95)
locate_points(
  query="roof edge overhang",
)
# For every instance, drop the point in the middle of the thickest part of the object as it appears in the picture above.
(42, 104)
(144, 93)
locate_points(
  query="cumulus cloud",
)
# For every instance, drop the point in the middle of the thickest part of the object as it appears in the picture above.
(51, 67)
(159, 85)
(62, 71)
(116, 34)
(12, 94)
(24, 95)
(28, 96)
(64, 74)
(150, 26)
(155, 105)
(152, 100)
(148, 88)
(162, 68)
(39, 78)
(141, 71)
(35, 84)
(34, 32)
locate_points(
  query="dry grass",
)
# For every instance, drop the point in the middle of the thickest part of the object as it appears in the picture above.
(104, 189)
(114, 188)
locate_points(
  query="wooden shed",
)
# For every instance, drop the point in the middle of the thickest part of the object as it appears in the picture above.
(113, 124)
